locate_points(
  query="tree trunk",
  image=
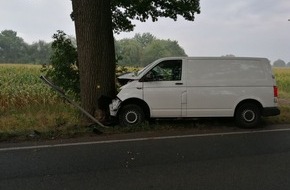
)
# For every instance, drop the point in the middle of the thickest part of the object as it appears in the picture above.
(96, 52)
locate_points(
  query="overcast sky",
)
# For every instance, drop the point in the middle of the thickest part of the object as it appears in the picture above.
(258, 28)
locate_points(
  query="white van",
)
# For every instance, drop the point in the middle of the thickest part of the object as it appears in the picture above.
(195, 87)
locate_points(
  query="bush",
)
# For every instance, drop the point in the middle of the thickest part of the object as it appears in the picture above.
(63, 67)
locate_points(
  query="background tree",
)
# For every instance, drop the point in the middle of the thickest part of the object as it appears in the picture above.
(142, 49)
(39, 52)
(279, 63)
(288, 64)
(95, 22)
(12, 47)
(144, 39)
(161, 48)
(129, 52)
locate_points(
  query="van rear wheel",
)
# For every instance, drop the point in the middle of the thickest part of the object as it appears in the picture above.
(248, 116)
(131, 115)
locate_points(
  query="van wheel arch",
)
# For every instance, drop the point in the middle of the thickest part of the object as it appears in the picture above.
(141, 103)
(248, 113)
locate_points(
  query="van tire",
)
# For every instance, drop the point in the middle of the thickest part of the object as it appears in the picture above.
(248, 115)
(131, 115)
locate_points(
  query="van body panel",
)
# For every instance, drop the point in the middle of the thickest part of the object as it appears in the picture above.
(164, 98)
(227, 72)
(222, 101)
(132, 89)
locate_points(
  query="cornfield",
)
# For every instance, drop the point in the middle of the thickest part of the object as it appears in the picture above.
(283, 79)
(21, 86)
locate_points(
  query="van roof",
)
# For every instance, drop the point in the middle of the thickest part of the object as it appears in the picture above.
(217, 58)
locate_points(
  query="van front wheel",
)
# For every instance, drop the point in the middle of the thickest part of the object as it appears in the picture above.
(131, 115)
(248, 116)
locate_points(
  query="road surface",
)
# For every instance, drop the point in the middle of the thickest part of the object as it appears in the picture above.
(226, 161)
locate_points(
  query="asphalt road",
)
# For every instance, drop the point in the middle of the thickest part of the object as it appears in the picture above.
(254, 160)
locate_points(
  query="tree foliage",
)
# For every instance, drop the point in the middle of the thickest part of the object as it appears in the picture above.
(124, 11)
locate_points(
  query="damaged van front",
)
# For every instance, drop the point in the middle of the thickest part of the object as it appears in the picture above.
(132, 89)
(130, 93)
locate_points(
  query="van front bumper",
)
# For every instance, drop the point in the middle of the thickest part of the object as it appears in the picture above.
(115, 106)
(272, 111)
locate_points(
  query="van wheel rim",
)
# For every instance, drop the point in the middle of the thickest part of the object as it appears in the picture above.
(131, 117)
(249, 115)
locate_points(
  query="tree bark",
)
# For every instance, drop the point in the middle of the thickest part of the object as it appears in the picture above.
(96, 52)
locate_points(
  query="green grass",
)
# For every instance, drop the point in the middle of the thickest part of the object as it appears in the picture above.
(29, 107)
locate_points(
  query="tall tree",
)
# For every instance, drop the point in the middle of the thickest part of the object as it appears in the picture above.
(96, 54)
(95, 21)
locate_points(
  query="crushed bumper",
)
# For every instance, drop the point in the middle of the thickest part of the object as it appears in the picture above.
(115, 106)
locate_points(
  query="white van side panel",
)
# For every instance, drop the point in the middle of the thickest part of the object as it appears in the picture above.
(216, 86)
(222, 101)
(228, 72)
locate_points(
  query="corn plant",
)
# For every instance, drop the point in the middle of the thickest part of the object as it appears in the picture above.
(283, 79)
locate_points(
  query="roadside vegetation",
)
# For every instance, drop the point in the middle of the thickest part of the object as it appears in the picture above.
(283, 82)
(27, 106)
(30, 110)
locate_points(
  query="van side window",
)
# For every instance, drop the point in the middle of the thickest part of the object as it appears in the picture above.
(169, 70)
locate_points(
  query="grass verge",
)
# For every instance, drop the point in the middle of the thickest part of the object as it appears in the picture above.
(62, 121)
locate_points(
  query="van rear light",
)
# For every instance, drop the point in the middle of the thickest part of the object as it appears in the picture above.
(275, 91)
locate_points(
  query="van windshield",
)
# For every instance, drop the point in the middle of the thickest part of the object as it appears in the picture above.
(145, 68)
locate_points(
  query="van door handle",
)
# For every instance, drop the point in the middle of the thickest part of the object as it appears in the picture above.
(179, 83)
